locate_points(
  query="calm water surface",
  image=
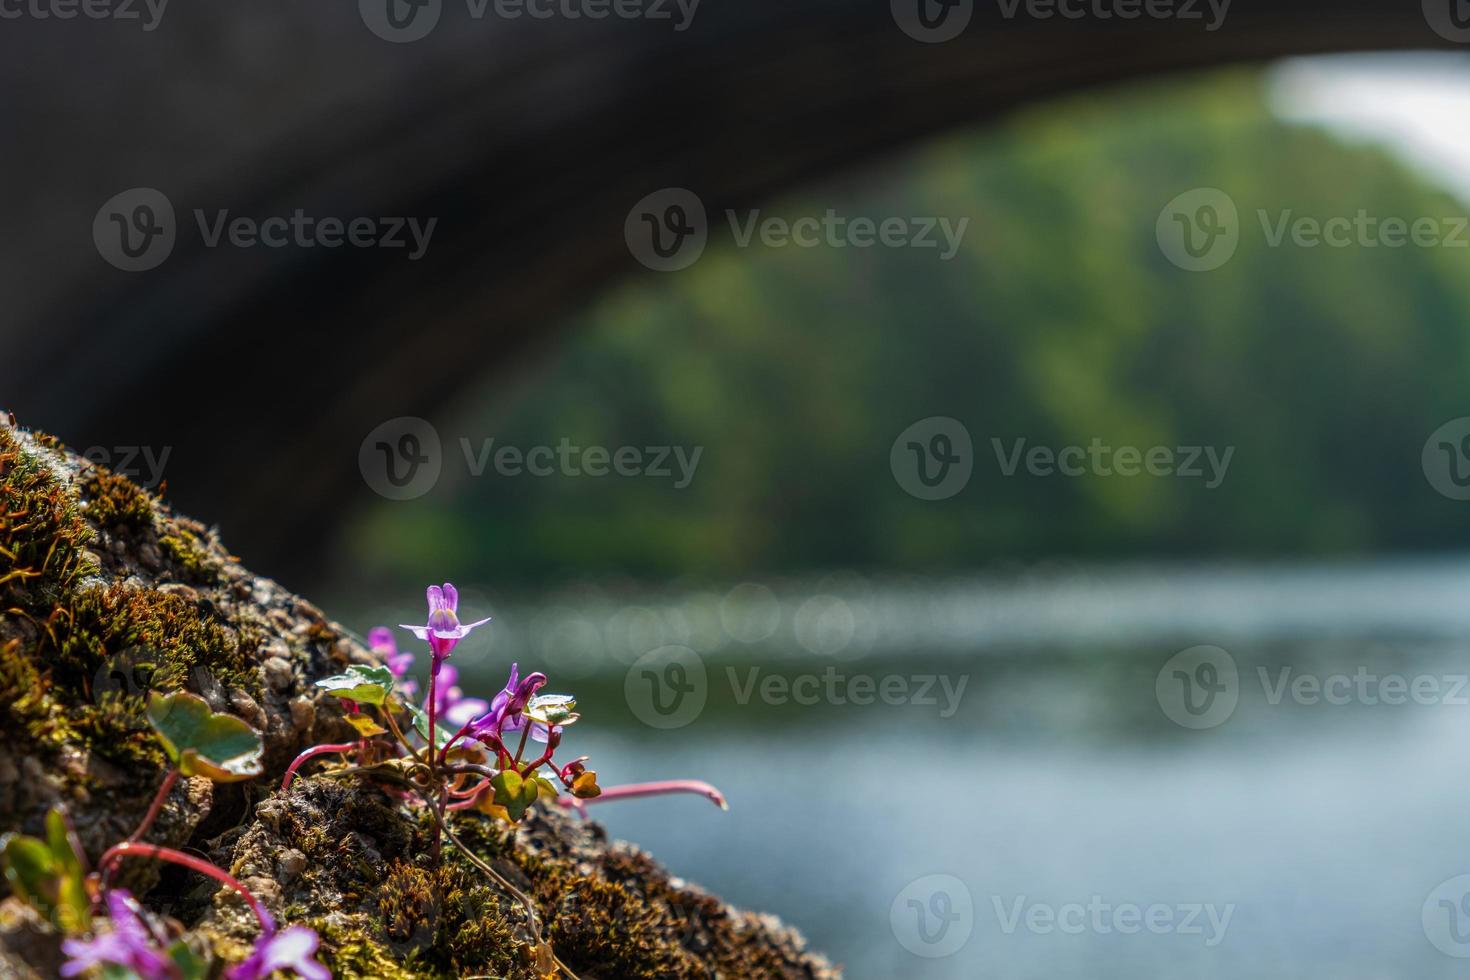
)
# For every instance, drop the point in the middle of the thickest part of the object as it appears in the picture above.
(1314, 832)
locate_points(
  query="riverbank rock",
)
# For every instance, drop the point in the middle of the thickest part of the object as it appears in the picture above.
(106, 594)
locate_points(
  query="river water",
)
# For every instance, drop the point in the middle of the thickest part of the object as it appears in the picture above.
(1020, 803)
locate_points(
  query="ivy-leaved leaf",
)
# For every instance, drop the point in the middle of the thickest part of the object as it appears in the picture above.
(203, 743)
(369, 685)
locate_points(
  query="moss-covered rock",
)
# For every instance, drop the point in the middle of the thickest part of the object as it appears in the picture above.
(106, 594)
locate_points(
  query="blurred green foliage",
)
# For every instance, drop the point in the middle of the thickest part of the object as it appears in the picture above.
(1058, 321)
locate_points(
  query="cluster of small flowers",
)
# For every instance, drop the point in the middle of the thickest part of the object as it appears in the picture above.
(132, 944)
(480, 766)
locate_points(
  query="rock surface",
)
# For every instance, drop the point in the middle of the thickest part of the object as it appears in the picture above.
(106, 594)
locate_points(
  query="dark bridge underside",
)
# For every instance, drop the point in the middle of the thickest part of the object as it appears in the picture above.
(264, 369)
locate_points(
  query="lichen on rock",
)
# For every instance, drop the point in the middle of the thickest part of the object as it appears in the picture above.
(106, 594)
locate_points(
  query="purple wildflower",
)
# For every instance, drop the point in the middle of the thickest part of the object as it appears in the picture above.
(443, 631)
(381, 640)
(129, 944)
(507, 711)
(450, 702)
(291, 949)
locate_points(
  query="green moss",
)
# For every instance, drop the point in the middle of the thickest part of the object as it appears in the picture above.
(43, 535)
(77, 658)
(114, 501)
(189, 558)
(81, 643)
(604, 928)
(165, 638)
(356, 953)
(25, 700)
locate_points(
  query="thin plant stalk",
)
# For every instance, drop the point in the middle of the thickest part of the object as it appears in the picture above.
(117, 852)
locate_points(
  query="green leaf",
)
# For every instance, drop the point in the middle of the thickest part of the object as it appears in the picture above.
(48, 875)
(203, 743)
(514, 793)
(369, 685)
(191, 965)
(73, 904)
(421, 725)
(365, 726)
(553, 709)
(30, 870)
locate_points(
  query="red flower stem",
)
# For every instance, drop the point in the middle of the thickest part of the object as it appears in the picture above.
(636, 790)
(545, 758)
(433, 708)
(472, 799)
(156, 807)
(117, 852)
(312, 753)
(444, 754)
(471, 790)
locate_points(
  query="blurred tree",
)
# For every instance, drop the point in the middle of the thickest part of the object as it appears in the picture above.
(1059, 321)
